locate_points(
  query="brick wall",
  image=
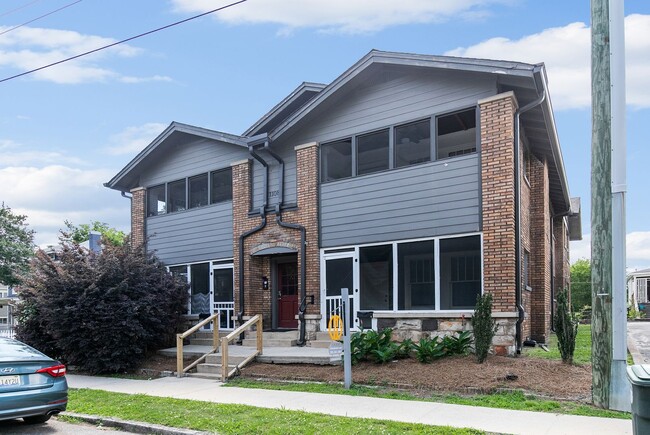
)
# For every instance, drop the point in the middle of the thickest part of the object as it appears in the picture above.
(526, 299)
(257, 300)
(540, 256)
(498, 198)
(138, 213)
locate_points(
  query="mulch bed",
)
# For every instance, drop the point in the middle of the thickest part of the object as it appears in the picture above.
(457, 374)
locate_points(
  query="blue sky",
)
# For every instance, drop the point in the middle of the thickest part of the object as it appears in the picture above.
(67, 129)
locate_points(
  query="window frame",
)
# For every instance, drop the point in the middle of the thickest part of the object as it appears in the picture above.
(156, 213)
(210, 185)
(477, 135)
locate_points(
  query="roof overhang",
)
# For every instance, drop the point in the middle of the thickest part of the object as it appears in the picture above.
(175, 134)
(274, 250)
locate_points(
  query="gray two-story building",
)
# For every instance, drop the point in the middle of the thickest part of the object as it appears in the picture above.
(417, 182)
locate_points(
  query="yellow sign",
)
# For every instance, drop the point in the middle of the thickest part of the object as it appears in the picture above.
(335, 327)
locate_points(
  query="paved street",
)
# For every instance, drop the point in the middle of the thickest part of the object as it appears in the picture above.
(54, 427)
(639, 341)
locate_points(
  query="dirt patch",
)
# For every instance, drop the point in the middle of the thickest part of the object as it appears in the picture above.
(459, 374)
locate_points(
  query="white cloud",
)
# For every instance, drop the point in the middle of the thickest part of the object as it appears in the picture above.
(15, 154)
(637, 249)
(566, 53)
(345, 16)
(156, 78)
(29, 48)
(132, 140)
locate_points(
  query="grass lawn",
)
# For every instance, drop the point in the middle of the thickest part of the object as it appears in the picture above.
(510, 400)
(234, 419)
(582, 354)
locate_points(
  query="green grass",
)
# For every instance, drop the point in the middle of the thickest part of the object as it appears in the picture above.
(235, 419)
(582, 354)
(510, 400)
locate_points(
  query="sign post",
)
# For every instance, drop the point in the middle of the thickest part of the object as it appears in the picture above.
(347, 353)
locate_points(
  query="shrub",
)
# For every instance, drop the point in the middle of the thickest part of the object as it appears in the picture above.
(100, 312)
(430, 349)
(372, 345)
(566, 328)
(484, 326)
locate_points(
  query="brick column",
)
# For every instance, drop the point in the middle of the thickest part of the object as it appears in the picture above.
(540, 255)
(498, 198)
(138, 213)
(241, 197)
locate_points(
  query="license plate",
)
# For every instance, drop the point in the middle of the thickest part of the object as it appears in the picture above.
(9, 380)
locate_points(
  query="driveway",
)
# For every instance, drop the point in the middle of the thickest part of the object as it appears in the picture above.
(638, 341)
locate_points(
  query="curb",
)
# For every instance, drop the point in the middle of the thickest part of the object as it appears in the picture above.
(132, 426)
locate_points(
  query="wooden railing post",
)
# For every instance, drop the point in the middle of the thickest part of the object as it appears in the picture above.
(224, 359)
(215, 331)
(179, 355)
(260, 334)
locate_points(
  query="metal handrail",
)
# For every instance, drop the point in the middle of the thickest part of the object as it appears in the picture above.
(180, 371)
(255, 320)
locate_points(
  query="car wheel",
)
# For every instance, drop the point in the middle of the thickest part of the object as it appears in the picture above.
(35, 419)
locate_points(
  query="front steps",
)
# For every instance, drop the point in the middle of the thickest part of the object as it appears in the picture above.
(272, 338)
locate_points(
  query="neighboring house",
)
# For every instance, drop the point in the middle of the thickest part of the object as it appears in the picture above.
(639, 289)
(7, 319)
(411, 180)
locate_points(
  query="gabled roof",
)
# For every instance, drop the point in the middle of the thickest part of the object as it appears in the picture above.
(527, 81)
(640, 272)
(175, 133)
(290, 104)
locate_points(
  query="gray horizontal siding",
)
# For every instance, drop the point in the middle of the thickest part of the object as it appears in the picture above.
(420, 201)
(385, 99)
(193, 235)
(192, 158)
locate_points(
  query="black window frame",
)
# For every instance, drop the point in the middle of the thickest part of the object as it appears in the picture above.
(190, 180)
(323, 160)
(211, 194)
(359, 160)
(471, 150)
(171, 208)
(150, 191)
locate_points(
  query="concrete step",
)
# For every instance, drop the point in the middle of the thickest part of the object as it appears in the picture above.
(201, 341)
(210, 376)
(322, 336)
(275, 342)
(215, 358)
(274, 335)
(214, 369)
(321, 344)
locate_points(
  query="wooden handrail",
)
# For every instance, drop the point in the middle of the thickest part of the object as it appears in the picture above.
(255, 320)
(180, 371)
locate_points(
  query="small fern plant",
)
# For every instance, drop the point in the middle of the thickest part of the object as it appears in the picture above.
(484, 326)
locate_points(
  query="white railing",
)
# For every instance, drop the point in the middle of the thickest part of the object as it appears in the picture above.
(333, 306)
(7, 332)
(226, 312)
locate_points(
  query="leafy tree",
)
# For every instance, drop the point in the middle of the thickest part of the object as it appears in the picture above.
(580, 284)
(16, 246)
(81, 233)
(102, 312)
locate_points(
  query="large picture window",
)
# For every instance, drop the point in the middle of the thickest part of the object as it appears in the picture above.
(198, 191)
(413, 143)
(176, 200)
(460, 272)
(221, 186)
(456, 134)
(376, 277)
(372, 152)
(156, 203)
(336, 160)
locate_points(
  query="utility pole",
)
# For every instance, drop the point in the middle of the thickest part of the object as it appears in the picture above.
(610, 388)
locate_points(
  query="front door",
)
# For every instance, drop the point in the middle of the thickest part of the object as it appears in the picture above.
(287, 292)
(340, 272)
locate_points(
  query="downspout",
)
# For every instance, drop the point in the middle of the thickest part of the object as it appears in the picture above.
(242, 237)
(303, 245)
(518, 301)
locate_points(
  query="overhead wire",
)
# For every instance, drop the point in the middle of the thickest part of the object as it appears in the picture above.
(123, 41)
(18, 8)
(38, 18)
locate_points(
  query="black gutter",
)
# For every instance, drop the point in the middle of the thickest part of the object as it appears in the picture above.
(303, 245)
(243, 236)
(518, 302)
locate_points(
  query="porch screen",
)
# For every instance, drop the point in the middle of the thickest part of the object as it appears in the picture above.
(376, 277)
(200, 288)
(460, 272)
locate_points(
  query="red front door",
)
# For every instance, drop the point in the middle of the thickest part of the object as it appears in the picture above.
(287, 276)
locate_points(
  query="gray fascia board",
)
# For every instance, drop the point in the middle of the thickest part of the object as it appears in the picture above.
(384, 57)
(172, 128)
(296, 93)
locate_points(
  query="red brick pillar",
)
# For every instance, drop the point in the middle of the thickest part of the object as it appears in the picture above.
(540, 256)
(138, 213)
(241, 197)
(498, 199)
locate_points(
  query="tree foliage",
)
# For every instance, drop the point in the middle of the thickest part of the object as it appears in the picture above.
(102, 312)
(16, 246)
(580, 284)
(484, 326)
(81, 233)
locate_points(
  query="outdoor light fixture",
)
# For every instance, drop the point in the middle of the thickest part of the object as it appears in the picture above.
(265, 283)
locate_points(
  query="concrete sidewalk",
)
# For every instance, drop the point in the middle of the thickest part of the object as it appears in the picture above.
(487, 419)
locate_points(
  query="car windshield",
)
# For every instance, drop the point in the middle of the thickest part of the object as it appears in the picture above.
(12, 350)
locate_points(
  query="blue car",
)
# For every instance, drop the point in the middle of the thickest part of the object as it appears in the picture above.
(32, 385)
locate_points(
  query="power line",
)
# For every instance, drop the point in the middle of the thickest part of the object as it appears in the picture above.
(124, 40)
(42, 16)
(18, 8)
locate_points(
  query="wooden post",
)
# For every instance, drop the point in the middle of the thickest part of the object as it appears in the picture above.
(215, 332)
(224, 359)
(260, 334)
(179, 355)
(601, 205)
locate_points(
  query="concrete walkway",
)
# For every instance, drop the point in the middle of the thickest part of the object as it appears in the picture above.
(487, 419)
(638, 341)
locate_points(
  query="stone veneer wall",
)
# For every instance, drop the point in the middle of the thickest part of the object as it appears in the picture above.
(138, 210)
(258, 300)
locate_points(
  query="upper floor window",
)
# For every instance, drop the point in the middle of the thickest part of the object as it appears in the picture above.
(197, 191)
(336, 160)
(413, 143)
(456, 133)
(372, 152)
